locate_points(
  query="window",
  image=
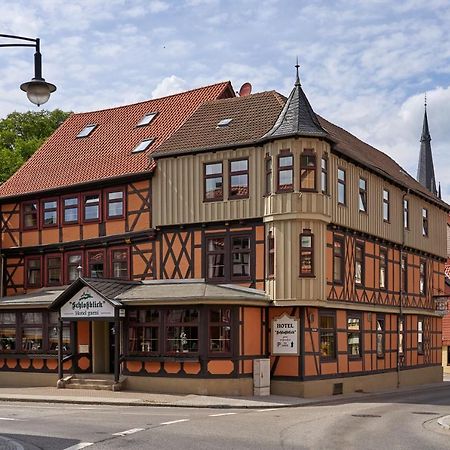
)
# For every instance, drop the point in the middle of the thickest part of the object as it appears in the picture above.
(238, 179)
(87, 130)
(53, 324)
(182, 330)
(324, 175)
(342, 196)
(406, 213)
(240, 256)
(420, 349)
(70, 210)
(386, 212)
(308, 171)
(383, 268)
(307, 254)
(213, 182)
(50, 213)
(380, 336)
(143, 331)
(327, 335)
(359, 263)
(30, 215)
(143, 145)
(96, 263)
(33, 272)
(285, 171)
(31, 331)
(228, 257)
(147, 119)
(424, 222)
(354, 335)
(7, 331)
(220, 330)
(73, 261)
(363, 195)
(119, 264)
(115, 204)
(404, 273)
(54, 270)
(268, 165)
(270, 254)
(224, 123)
(91, 207)
(338, 260)
(422, 278)
(215, 257)
(401, 335)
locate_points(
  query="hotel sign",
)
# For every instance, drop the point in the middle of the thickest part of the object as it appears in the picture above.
(285, 335)
(87, 304)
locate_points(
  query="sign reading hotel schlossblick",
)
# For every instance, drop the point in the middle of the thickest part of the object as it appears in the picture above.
(87, 304)
(285, 335)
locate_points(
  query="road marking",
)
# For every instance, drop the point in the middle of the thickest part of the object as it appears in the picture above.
(126, 432)
(79, 446)
(174, 421)
(10, 418)
(222, 414)
(267, 409)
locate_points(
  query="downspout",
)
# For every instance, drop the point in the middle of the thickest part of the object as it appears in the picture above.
(402, 291)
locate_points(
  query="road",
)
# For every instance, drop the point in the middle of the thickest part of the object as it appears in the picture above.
(396, 421)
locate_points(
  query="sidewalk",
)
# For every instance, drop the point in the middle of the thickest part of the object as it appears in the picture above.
(133, 398)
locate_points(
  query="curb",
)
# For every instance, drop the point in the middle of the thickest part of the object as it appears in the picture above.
(444, 422)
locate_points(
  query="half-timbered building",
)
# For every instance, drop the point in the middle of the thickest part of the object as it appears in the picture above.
(177, 242)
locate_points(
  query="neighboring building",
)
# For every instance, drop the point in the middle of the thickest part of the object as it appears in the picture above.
(446, 319)
(239, 228)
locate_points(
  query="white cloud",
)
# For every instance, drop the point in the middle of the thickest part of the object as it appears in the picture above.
(168, 86)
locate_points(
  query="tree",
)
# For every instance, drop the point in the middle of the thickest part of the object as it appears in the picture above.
(21, 134)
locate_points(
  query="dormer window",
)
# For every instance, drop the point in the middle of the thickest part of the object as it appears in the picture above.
(147, 119)
(143, 145)
(224, 123)
(87, 130)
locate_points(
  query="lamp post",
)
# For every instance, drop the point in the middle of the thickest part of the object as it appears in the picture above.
(37, 89)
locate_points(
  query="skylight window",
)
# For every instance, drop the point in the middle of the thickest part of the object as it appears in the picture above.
(224, 123)
(147, 119)
(87, 130)
(143, 145)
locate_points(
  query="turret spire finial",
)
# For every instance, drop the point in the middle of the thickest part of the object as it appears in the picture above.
(425, 103)
(297, 80)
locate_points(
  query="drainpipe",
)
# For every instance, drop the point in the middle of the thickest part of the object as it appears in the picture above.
(402, 291)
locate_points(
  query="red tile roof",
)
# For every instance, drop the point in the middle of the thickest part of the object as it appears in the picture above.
(64, 160)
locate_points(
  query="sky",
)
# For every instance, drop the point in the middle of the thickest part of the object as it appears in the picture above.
(364, 65)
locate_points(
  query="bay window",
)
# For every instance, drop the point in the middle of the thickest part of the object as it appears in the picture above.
(181, 330)
(285, 171)
(308, 171)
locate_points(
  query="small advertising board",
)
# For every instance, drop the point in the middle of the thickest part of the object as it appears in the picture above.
(285, 335)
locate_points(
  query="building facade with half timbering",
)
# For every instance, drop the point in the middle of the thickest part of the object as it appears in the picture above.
(176, 241)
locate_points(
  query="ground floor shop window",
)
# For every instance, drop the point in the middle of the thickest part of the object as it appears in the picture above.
(380, 337)
(7, 331)
(220, 330)
(354, 335)
(327, 333)
(181, 331)
(143, 331)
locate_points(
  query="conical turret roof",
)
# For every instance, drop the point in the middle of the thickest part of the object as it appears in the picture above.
(425, 169)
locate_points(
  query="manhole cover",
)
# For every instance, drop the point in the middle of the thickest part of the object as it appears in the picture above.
(365, 415)
(425, 413)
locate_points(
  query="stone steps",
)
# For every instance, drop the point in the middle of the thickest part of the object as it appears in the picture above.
(102, 383)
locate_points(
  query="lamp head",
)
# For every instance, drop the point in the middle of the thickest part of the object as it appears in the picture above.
(38, 90)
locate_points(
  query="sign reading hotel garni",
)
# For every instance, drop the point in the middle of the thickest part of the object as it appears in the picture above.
(285, 336)
(87, 304)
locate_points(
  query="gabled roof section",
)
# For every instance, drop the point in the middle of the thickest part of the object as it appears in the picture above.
(297, 117)
(65, 160)
(251, 117)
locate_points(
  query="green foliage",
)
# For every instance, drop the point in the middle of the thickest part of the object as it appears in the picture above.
(21, 134)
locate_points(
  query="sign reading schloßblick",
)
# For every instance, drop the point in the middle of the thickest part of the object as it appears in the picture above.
(285, 336)
(87, 304)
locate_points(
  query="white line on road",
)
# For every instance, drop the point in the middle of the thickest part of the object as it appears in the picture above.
(126, 432)
(174, 421)
(79, 446)
(10, 418)
(222, 414)
(268, 409)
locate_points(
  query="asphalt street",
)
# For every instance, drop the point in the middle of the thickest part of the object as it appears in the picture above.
(394, 421)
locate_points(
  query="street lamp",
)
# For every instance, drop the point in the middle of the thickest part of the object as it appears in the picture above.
(38, 90)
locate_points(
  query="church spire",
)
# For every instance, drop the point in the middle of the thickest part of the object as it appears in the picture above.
(425, 169)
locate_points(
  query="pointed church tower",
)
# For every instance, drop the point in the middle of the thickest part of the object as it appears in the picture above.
(425, 169)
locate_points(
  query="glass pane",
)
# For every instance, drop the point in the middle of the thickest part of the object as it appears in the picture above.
(341, 175)
(31, 318)
(285, 179)
(213, 169)
(220, 339)
(307, 179)
(115, 195)
(53, 339)
(74, 259)
(306, 262)
(362, 184)
(353, 323)
(353, 344)
(7, 318)
(182, 339)
(220, 315)
(239, 185)
(216, 266)
(326, 321)
(341, 193)
(32, 339)
(50, 205)
(71, 214)
(307, 161)
(213, 188)
(327, 345)
(50, 217)
(216, 245)
(148, 316)
(285, 161)
(241, 264)
(71, 201)
(7, 339)
(237, 166)
(182, 315)
(91, 212)
(115, 209)
(385, 195)
(120, 269)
